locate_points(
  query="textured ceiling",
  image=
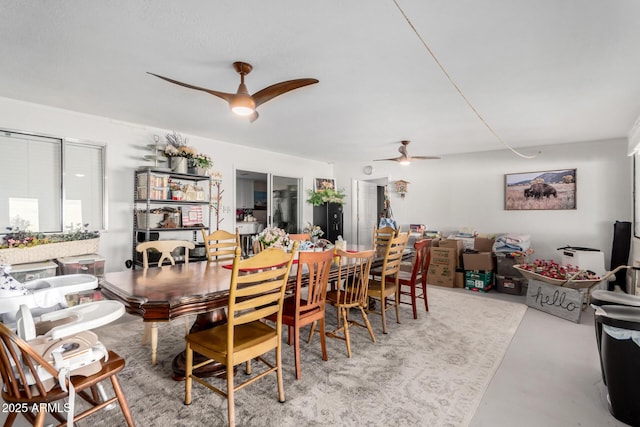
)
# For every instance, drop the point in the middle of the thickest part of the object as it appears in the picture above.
(539, 72)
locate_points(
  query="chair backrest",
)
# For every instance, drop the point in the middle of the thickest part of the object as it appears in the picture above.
(220, 244)
(381, 237)
(257, 288)
(21, 368)
(421, 259)
(313, 271)
(393, 256)
(300, 237)
(353, 277)
(257, 246)
(165, 247)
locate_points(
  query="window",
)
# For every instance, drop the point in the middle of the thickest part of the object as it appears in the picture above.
(51, 184)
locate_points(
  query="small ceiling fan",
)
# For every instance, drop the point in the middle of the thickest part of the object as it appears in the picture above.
(241, 102)
(405, 158)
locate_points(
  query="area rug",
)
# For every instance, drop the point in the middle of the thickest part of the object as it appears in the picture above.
(431, 371)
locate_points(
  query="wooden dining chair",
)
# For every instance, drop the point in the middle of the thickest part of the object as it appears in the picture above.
(29, 382)
(302, 310)
(256, 291)
(257, 246)
(410, 281)
(165, 247)
(380, 287)
(381, 237)
(220, 245)
(351, 292)
(300, 237)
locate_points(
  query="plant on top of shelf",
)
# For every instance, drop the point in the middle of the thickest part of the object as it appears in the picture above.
(202, 161)
(177, 146)
(327, 195)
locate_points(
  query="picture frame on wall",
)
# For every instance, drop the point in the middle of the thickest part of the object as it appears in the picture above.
(324, 184)
(541, 190)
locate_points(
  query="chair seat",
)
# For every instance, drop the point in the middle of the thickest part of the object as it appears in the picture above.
(246, 336)
(404, 277)
(375, 286)
(289, 309)
(332, 296)
(112, 366)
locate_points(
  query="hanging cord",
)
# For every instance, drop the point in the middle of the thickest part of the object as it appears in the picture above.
(458, 89)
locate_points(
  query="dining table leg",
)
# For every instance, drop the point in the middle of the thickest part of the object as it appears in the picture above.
(203, 321)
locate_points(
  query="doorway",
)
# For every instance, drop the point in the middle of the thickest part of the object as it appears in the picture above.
(272, 200)
(370, 203)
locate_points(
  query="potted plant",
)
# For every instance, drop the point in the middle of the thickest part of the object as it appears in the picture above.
(200, 164)
(178, 152)
(22, 246)
(327, 195)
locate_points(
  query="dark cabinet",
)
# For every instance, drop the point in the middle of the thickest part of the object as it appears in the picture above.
(329, 217)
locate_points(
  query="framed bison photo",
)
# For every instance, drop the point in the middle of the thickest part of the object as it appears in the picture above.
(540, 190)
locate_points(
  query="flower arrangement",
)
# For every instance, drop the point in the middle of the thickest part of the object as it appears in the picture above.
(327, 195)
(274, 237)
(17, 238)
(313, 230)
(177, 147)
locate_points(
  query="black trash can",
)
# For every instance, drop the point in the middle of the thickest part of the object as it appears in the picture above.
(601, 297)
(620, 355)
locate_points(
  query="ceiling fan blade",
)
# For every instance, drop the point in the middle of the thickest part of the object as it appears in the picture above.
(226, 96)
(395, 159)
(270, 92)
(425, 157)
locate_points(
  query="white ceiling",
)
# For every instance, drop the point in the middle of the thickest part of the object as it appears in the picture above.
(538, 71)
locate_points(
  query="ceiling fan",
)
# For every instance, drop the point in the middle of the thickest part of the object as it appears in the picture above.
(405, 158)
(241, 102)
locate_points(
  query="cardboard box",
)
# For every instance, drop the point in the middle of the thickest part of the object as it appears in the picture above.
(452, 244)
(483, 244)
(459, 280)
(482, 261)
(478, 280)
(442, 267)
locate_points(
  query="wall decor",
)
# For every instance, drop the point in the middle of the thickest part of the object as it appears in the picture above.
(551, 190)
(324, 184)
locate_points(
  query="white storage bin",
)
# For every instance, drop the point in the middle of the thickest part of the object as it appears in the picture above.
(33, 270)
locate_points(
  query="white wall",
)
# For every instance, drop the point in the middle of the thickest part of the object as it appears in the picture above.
(126, 144)
(468, 191)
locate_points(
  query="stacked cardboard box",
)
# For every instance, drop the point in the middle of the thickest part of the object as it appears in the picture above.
(479, 265)
(446, 262)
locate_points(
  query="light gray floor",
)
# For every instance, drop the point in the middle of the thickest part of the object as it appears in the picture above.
(550, 375)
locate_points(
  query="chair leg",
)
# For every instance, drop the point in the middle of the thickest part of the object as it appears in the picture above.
(39, 421)
(188, 370)
(346, 330)
(230, 397)
(278, 373)
(296, 349)
(323, 344)
(383, 311)
(121, 400)
(424, 296)
(397, 304)
(367, 324)
(311, 331)
(289, 331)
(413, 301)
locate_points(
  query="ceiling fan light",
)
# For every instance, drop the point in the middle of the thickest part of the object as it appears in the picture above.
(243, 105)
(405, 162)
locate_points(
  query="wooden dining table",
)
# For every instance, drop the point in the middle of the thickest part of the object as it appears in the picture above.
(162, 294)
